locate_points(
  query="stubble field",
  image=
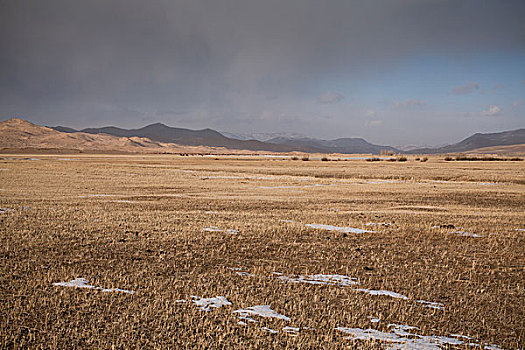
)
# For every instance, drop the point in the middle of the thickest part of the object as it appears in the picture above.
(162, 251)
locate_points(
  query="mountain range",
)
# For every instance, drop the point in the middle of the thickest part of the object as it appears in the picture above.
(18, 134)
(211, 138)
(478, 141)
(160, 138)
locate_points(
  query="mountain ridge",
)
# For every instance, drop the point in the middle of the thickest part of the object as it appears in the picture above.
(210, 138)
(477, 141)
(158, 137)
(204, 137)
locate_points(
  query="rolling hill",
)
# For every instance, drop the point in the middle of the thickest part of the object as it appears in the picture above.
(154, 138)
(205, 137)
(477, 141)
(20, 134)
(211, 138)
(342, 145)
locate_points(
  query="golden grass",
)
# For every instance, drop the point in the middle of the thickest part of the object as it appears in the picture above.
(147, 234)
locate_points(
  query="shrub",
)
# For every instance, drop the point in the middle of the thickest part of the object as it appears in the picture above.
(424, 159)
(295, 158)
(449, 158)
(305, 159)
(324, 159)
(402, 159)
(483, 159)
(374, 159)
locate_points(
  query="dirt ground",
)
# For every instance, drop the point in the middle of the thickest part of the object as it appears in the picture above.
(260, 252)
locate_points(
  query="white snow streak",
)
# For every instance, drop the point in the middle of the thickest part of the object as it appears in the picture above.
(83, 283)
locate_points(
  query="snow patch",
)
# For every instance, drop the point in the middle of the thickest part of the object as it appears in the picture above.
(6, 210)
(205, 304)
(262, 311)
(467, 234)
(291, 330)
(83, 283)
(242, 273)
(330, 280)
(378, 182)
(216, 229)
(383, 292)
(432, 305)
(402, 337)
(385, 224)
(338, 228)
(269, 330)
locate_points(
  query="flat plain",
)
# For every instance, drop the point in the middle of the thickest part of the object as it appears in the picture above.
(164, 251)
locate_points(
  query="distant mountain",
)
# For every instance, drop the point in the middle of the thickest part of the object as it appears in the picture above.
(410, 147)
(211, 138)
(22, 135)
(205, 137)
(342, 145)
(18, 133)
(262, 136)
(63, 129)
(479, 140)
(510, 150)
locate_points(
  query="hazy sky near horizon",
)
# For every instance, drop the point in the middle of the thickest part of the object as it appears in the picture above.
(395, 72)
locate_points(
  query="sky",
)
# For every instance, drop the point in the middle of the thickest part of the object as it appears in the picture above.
(397, 72)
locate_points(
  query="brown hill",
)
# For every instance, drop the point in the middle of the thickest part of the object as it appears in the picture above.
(477, 141)
(21, 134)
(512, 150)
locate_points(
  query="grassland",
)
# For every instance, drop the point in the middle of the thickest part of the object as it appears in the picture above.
(445, 232)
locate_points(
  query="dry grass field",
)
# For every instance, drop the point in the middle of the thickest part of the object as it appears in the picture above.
(159, 236)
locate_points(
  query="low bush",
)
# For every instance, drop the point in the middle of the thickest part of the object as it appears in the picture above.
(482, 159)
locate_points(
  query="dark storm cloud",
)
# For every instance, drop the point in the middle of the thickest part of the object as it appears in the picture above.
(330, 97)
(465, 89)
(82, 60)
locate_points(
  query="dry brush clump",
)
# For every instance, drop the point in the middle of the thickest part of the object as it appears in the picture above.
(140, 224)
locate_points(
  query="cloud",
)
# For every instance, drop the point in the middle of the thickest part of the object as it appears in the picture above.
(169, 113)
(517, 103)
(222, 61)
(407, 104)
(492, 111)
(499, 86)
(370, 113)
(330, 97)
(373, 123)
(465, 89)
